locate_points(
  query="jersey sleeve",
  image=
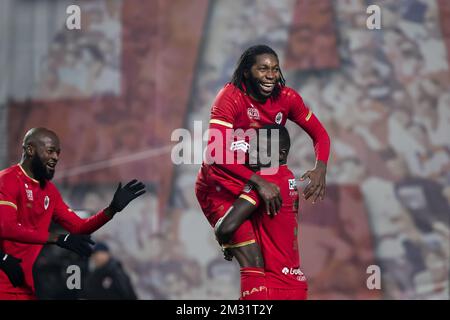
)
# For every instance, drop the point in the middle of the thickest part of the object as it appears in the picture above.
(304, 117)
(249, 193)
(69, 220)
(224, 110)
(222, 146)
(10, 227)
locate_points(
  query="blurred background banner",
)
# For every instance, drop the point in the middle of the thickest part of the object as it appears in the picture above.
(115, 91)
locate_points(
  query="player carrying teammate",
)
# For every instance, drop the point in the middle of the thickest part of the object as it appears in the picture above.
(277, 235)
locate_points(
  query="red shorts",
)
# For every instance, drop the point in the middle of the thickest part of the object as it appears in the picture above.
(215, 200)
(287, 294)
(16, 296)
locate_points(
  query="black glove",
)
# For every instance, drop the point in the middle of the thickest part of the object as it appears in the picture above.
(123, 196)
(78, 243)
(227, 254)
(12, 268)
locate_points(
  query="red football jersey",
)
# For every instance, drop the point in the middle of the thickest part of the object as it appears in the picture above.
(26, 211)
(233, 109)
(278, 235)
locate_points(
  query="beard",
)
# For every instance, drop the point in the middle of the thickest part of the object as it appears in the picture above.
(40, 171)
(253, 83)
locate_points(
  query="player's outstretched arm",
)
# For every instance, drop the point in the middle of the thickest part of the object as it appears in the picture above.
(305, 118)
(81, 244)
(228, 224)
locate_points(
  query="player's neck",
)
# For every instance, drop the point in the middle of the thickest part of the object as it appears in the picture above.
(257, 99)
(26, 167)
(252, 95)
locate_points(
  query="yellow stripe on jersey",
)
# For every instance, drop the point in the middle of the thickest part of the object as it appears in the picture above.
(23, 170)
(7, 203)
(249, 199)
(253, 271)
(237, 245)
(223, 123)
(309, 115)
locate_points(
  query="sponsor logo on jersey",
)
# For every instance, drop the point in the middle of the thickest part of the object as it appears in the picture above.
(253, 113)
(253, 290)
(29, 194)
(46, 202)
(292, 184)
(279, 118)
(300, 276)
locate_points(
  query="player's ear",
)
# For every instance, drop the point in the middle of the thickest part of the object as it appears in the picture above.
(283, 154)
(29, 150)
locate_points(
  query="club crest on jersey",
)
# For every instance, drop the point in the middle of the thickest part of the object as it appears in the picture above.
(46, 202)
(29, 194)
(253, 113)
(279, 118)
(292, 184)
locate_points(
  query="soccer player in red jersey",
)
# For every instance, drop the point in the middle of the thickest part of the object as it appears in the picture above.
(256, 96)
(277, 235)
(28, 203)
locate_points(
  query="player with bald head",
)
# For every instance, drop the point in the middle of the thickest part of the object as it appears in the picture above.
(29, 201)
(40, 154)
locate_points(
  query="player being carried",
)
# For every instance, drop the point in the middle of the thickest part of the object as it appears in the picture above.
(256, 96)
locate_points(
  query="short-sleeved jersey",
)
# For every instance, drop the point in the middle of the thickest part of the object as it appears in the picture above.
(278, 235)
(26, 211)
(235, 109)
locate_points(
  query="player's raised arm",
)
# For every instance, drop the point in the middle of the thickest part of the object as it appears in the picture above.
(79, 240)
(305, 118)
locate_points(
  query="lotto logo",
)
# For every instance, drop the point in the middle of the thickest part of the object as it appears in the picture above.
(285, 270)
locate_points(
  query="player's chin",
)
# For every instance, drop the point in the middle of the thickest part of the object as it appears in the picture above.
(265, 92)
(49, 174)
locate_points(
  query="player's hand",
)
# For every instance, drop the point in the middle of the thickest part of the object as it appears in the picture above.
(12, 268)
(227, 255)
(124, 195)
(316, 186)
(270, 194)
(78, 243)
